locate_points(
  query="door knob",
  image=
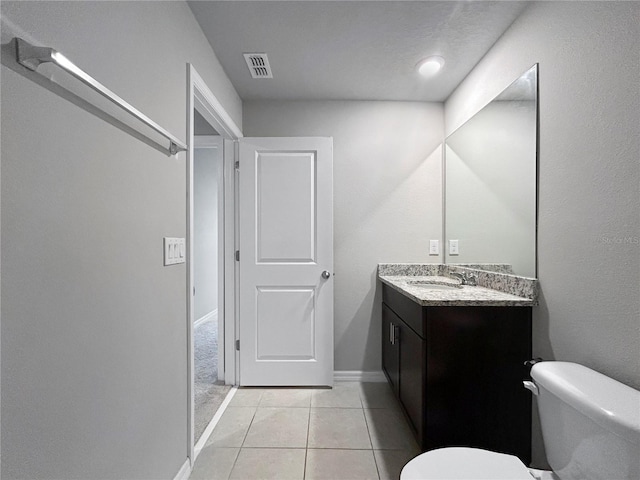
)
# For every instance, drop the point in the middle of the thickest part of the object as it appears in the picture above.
(326, 274)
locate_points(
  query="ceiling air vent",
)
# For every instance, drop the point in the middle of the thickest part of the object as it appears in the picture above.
(258, 64)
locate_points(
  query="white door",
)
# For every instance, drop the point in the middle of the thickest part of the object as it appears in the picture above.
(286, 261)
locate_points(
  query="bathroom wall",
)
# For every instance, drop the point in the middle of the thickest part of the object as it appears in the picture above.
(206, 167)
(94, 348)
(387, 199)
(589, 226)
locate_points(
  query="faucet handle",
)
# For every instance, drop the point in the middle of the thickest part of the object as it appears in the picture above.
(459, 276)
(465, 278)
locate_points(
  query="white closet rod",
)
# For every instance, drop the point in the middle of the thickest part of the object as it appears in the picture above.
(31, 57)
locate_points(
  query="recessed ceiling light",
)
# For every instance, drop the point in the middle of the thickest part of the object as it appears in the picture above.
(429, 66)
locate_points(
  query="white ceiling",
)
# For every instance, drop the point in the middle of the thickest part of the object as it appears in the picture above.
(352, 50)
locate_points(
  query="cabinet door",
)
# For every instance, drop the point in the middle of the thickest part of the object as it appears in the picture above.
(412, 381)
(475, 370)
(390, 347)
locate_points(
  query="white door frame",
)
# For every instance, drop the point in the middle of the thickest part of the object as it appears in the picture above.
(200, 97)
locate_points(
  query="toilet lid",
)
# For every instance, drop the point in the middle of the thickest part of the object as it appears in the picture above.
(461, 463)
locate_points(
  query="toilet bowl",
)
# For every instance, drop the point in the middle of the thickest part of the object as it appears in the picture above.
(590, 428)
(457, 463)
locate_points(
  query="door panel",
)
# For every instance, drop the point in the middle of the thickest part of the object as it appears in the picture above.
(412, 364)
(285, 217)
(286, 243)
(276, 307)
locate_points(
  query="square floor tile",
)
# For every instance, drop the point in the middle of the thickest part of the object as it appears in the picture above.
(377, 395)
(338, 428)
(269, 463)
(232, 427)
(286, 397)
(340, 465)
(246, 397)
(278, 427)
(389, 430)
(390, 462)
(340, 396)
(214, 463)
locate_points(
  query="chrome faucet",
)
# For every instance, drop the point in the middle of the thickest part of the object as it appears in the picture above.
(471, 279)
(465, 278)
(460, 276)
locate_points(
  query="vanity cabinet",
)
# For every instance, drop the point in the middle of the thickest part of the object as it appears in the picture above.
(457, 372)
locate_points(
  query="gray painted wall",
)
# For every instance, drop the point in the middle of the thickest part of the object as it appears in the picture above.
(387, 199)
(201, 126)
(94, 348)
(589, 225)
(206, 168)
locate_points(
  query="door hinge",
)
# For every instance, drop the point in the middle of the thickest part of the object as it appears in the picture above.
(194, 291)
(237, 255)
(237, 164)
(238, 345)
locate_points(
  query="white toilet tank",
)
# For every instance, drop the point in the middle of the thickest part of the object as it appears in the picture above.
(590, 423)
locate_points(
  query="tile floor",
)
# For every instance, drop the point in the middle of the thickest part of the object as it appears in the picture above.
(351, 432)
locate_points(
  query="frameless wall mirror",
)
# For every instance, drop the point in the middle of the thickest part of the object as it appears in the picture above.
(491, 183)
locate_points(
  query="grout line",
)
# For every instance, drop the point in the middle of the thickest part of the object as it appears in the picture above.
(306, 450)
(245, 437)
(243, 440)
(235, 460)
(359, 449)
(360, 394)
(375, 461)
(246, 434)
(346, 448)
(368, 430)
(269, 448)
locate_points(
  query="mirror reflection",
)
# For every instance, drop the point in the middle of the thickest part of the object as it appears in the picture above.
(491, 183)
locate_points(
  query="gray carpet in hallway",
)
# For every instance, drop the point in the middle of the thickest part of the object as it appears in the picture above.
(209, 392)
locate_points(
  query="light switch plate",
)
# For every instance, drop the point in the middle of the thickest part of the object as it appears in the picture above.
(434, 247)
(174, 250)
(453, 247)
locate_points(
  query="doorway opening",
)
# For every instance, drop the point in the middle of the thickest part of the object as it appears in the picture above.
(211, 267)
(207, 264)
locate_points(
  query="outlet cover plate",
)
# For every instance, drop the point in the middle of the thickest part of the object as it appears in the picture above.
(434, 247)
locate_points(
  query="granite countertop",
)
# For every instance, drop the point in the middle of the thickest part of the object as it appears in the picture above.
(461, 295)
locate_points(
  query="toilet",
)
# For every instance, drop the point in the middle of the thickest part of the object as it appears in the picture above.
(590, 428)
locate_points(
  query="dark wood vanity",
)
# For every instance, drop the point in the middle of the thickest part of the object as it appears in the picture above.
(458, 372)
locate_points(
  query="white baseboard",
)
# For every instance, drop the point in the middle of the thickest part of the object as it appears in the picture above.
(184, 472)
(358, 376)
(212, 315)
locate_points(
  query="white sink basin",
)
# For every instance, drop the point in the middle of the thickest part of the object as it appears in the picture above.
(433, 286)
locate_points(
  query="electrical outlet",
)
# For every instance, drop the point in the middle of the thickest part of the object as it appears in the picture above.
(453, 247)
(434, 247)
